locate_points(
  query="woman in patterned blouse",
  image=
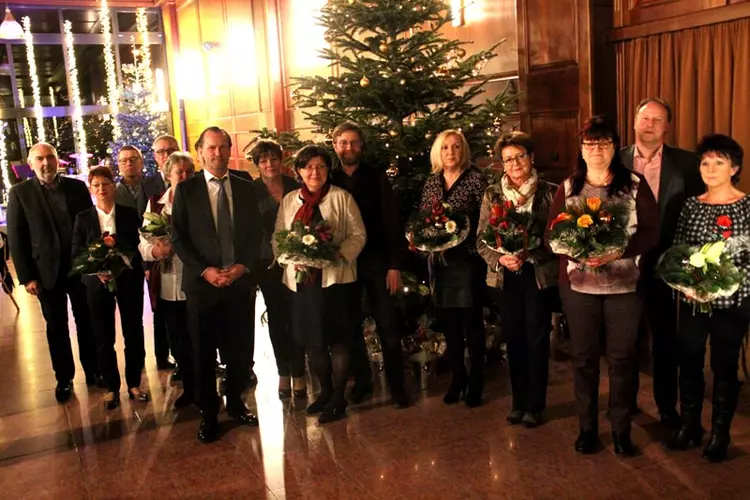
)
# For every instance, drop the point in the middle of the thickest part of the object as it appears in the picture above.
(457, 286)
(722, 211)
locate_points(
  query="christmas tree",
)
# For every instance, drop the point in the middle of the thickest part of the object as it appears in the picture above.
(403, 83)
(138, 123)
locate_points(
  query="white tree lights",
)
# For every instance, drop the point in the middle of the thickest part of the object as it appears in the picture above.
(34, 78)
(4, 164)
(113, 92)
(78, 130)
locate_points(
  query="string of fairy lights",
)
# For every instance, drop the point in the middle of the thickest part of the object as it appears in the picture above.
(78, 129)
(36, 94)
(4, 163)
(113, 92)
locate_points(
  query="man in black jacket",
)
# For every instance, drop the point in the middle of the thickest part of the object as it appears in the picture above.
(380, 263)
(217, 235)
(673, 176)
(41, 212)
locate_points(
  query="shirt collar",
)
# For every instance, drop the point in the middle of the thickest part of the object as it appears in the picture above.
(210, 176)
(55, 181)
(657, 153)
(165, 197)
(105, 214)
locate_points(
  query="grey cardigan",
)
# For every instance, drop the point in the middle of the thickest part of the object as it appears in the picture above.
(545, 262)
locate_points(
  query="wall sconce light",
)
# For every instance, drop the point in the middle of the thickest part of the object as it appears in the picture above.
(209, 46)
(457, 12)
(10, 29)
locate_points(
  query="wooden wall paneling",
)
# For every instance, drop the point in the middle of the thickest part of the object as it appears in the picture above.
(603, 60)
(552, 28)
(555, 145)
(190, 78)
(172, 44)
(242, 66)
(214, 40)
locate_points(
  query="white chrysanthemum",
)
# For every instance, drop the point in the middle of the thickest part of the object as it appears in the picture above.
(451, 226)
(309, 240)
(698, 260)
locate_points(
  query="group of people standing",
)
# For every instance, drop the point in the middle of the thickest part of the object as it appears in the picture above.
(203, 282)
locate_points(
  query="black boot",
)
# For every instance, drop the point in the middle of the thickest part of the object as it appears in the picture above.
(623, 444)
(457, 388)
(476, 385)
(691, 407)
(724, 406)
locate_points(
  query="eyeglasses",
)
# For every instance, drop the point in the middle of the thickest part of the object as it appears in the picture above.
(168, 151)
(590, 145)
(344, 143)
(131, 159)
(515, 159)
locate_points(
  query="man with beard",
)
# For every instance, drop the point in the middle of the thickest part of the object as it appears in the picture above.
(217, 235)
(41, 212)
(673, 176)
(379, 264)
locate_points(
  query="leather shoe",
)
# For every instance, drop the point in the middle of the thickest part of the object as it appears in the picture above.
(252, 379)
(63, 391)
(111, 400)
(587, 442)
(165, 364)
(176, 374)
(208, 431)
(243, 416)
(531, 419)
(670, 418)
(400, 398)
(332, 413)
(360, 392)
(623, 444)
(96, 380)
(514, 417)
(183, 401)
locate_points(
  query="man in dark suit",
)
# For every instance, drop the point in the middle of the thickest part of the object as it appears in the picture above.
(41, 212)
(217, 235)
(163, 146)
(673, 176)
(135, 191)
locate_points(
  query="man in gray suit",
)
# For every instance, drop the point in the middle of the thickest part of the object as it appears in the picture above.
(673, 176)
(134, 190)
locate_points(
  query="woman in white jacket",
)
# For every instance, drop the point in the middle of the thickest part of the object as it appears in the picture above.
(324, 316)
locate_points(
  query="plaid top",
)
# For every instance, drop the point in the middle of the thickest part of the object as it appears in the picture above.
(700, 223)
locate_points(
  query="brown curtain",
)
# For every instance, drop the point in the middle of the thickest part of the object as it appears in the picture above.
(703, 72)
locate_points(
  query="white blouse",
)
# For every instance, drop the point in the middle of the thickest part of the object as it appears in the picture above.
(340, 210)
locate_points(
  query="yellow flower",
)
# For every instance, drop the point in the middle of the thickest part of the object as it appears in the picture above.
(594, 203)
(713, 251)
(585, 221)
(451, 226)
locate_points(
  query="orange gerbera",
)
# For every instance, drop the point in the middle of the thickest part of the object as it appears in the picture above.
(585, 221)
(563, 216)
(594, 203)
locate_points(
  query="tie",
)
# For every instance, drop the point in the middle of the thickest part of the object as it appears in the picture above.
(224, 224)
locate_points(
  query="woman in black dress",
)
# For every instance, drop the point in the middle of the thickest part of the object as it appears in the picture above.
(457, 286)
(722, 212)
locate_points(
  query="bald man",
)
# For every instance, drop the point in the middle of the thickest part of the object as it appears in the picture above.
(41, 212)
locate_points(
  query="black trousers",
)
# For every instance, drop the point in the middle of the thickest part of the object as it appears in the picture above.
(162, 340)
(54, 304)
(371, 275)
(463, 327)
(660, 314)
(617, 316)
(221, 318)
(526, 316)
(290, 356)
(129, 299)
(175, 316)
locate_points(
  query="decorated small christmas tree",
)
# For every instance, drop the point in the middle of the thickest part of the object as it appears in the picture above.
(404, 83)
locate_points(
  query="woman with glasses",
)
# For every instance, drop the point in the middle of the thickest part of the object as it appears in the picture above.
(324, 308)
(599, 294)
(458, 284)
(524, 284)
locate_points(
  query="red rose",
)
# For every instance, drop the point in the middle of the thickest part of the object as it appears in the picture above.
(493, 221)
(109, 240)
(724, 221)
(497, 210)
(508, 204)
(726, 234)
(504, 225)
(427, 220)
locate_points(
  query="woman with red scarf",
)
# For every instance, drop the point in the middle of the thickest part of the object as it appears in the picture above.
(324, 308)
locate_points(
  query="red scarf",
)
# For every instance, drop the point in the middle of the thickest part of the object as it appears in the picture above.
(309, 202)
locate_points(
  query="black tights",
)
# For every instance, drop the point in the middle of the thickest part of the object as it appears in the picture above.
(331, 367)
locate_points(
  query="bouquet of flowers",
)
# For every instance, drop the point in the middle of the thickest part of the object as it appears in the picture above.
(425, 345)
(703, 273)
(103, 258)
(158, 229)
(437, 229)
(306, 248)
(510, 231)
(372, 340)
(588, 228)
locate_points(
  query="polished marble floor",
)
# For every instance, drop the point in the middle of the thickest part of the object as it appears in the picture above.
(144, 451)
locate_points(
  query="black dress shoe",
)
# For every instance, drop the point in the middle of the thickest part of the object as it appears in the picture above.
(243, 416)
(531, 419)
(400, 398)
(138, 395)
(165, 364)
(285, 393)
(320, 403)
(176, 374)
(623, 444)
(183, 401)
(670, 418)
(111, 400)
(360, 392)
(252, 379)
(300, 393)
(63, 391)
(587, 442)
(208, 431)
(514, 417)
(332, 413)
(95, 379)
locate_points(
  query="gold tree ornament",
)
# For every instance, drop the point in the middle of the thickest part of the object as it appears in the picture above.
(320, 102)
(364, 82)
(393, 132)
(428, 136)
(383, 47)
(402, 82)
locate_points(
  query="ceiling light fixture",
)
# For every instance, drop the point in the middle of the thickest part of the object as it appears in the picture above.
(10, 29)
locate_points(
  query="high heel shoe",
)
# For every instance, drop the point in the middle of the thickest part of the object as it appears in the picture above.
(285, 389)
(686, 435)
(456, 390)
(138, 395)
(111, 400)
(298, 387)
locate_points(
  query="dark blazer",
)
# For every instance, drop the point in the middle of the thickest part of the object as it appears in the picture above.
(195, 238)
(87, 230)
(150, 186)
(680, 179)
(241, 174)
(32, 233)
